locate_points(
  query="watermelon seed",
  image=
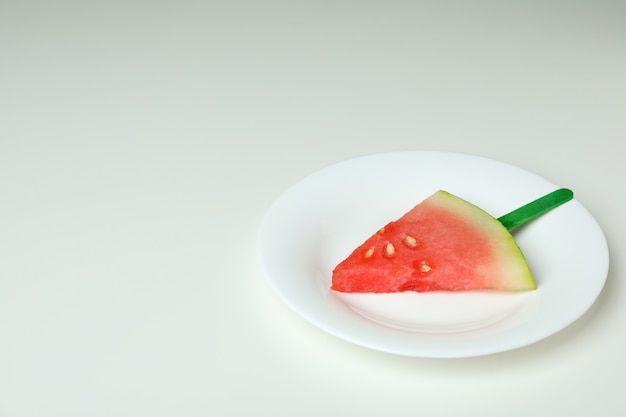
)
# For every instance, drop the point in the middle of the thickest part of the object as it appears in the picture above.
(424, 267)
(368, 253)
(410, 241)
(390, 250)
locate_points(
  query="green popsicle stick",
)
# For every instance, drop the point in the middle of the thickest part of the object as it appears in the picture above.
(536, 208)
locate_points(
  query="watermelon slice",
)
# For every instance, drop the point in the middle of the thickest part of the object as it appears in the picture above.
(442, 244)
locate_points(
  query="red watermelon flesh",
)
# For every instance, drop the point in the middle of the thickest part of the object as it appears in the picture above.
(442, 244)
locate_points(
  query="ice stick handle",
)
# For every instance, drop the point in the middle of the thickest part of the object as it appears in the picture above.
(536, 208)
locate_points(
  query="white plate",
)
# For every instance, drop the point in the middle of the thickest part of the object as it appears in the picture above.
(319, 221)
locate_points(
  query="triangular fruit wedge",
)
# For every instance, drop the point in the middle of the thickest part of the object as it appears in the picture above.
(443, 244)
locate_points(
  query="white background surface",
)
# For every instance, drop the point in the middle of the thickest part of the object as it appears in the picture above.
(142, 142)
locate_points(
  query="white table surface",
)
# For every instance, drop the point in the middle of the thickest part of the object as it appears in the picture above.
(141, 144)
